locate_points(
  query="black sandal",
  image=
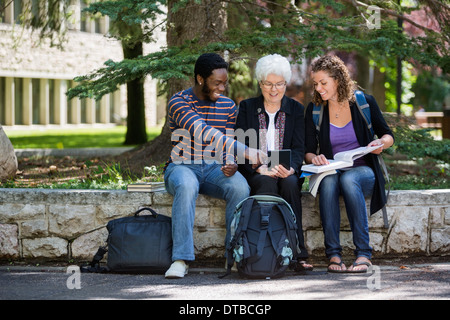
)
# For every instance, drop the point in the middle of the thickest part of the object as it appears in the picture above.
(302, 266)
(299, 266)
(356, 264)
(340, 264)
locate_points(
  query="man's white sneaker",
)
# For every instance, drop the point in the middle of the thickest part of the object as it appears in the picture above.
(178, 269)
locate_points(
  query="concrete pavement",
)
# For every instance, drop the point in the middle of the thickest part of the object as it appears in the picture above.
(428, 281)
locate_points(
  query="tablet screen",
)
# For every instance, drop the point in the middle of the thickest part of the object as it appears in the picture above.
(282, 157)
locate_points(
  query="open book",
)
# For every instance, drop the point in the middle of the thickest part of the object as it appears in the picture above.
(315, 179)
(341, 160)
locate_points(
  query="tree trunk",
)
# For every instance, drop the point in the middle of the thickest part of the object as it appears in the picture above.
(398, 92)
(136, 131)
(378, 89)
(206, 22)
(362, 72)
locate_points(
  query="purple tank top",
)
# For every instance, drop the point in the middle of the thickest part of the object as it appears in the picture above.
(343, 139)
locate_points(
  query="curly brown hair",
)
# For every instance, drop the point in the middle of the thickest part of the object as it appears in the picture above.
(336, 69)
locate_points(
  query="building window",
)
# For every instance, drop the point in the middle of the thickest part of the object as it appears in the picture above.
(26, 101)
(2, 101)
(83, 111)
(2, 10)
(17, 10)
(51, 102)
(18, 101)
(35, 85)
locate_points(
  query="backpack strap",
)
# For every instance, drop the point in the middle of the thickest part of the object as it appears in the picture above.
(94, 266)
(245, 208)
(265, 217)
(317, 115)
(364, 109)
(292, 227)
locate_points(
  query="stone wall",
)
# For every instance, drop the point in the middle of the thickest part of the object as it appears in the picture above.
(82, 53)
(41, 224)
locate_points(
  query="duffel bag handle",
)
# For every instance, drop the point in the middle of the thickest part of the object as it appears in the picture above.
(154, 213)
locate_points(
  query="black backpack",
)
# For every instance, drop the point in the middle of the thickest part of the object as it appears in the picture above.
(263, 237)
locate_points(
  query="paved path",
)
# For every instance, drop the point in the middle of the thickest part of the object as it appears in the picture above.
(424, 281)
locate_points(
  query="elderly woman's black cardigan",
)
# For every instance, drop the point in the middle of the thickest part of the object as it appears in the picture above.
(294, 135)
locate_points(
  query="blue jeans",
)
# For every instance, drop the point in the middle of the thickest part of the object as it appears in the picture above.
(185, 182)
(354, 185)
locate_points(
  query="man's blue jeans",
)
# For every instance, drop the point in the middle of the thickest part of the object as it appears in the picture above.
(185, 182)
(354, 185)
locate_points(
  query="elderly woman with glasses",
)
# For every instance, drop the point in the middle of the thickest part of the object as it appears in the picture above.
(279, 124)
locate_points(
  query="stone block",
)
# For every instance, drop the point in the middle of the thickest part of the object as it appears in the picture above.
(8, 159)
(314, 241)
(9, 243)
(109, 212)
(12, 212)
(162, 199)
(49, 247)
(202, 217)
(376, 242)
(446, 215)
(70, 221)
(164, 210)
(409, 230)
(310, 218)
(209, 243)
(440, 240)
(217, 215)
(86, 245)
(33, 229)
(376, 220)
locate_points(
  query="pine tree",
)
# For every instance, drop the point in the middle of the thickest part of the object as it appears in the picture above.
(248, 29)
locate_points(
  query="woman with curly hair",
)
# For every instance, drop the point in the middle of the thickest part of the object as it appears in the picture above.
(344, 128)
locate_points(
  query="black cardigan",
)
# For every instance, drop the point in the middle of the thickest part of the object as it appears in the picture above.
(363, 135)
(294, 132)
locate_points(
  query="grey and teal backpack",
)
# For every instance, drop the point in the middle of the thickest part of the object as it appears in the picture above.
(263, 237)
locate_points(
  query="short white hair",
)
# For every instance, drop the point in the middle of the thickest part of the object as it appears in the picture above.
(273, 64)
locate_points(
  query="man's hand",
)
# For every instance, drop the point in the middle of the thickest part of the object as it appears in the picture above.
(264, 170)
(256, 157)
(229, 169)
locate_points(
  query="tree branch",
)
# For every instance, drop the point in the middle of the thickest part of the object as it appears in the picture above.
(6, 6)
(358, 4)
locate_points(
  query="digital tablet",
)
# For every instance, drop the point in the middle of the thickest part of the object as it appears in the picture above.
(282, 157)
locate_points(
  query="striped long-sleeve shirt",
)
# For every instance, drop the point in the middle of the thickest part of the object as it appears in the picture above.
(202, 130)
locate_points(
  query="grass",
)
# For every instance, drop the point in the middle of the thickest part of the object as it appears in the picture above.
(112, 137)
(70, 172)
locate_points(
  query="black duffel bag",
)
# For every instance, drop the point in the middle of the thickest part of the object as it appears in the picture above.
(136, 244)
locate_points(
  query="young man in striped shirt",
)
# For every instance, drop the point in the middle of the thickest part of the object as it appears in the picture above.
(203, 155)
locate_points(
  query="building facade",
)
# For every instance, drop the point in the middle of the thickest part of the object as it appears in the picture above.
(35, 76)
